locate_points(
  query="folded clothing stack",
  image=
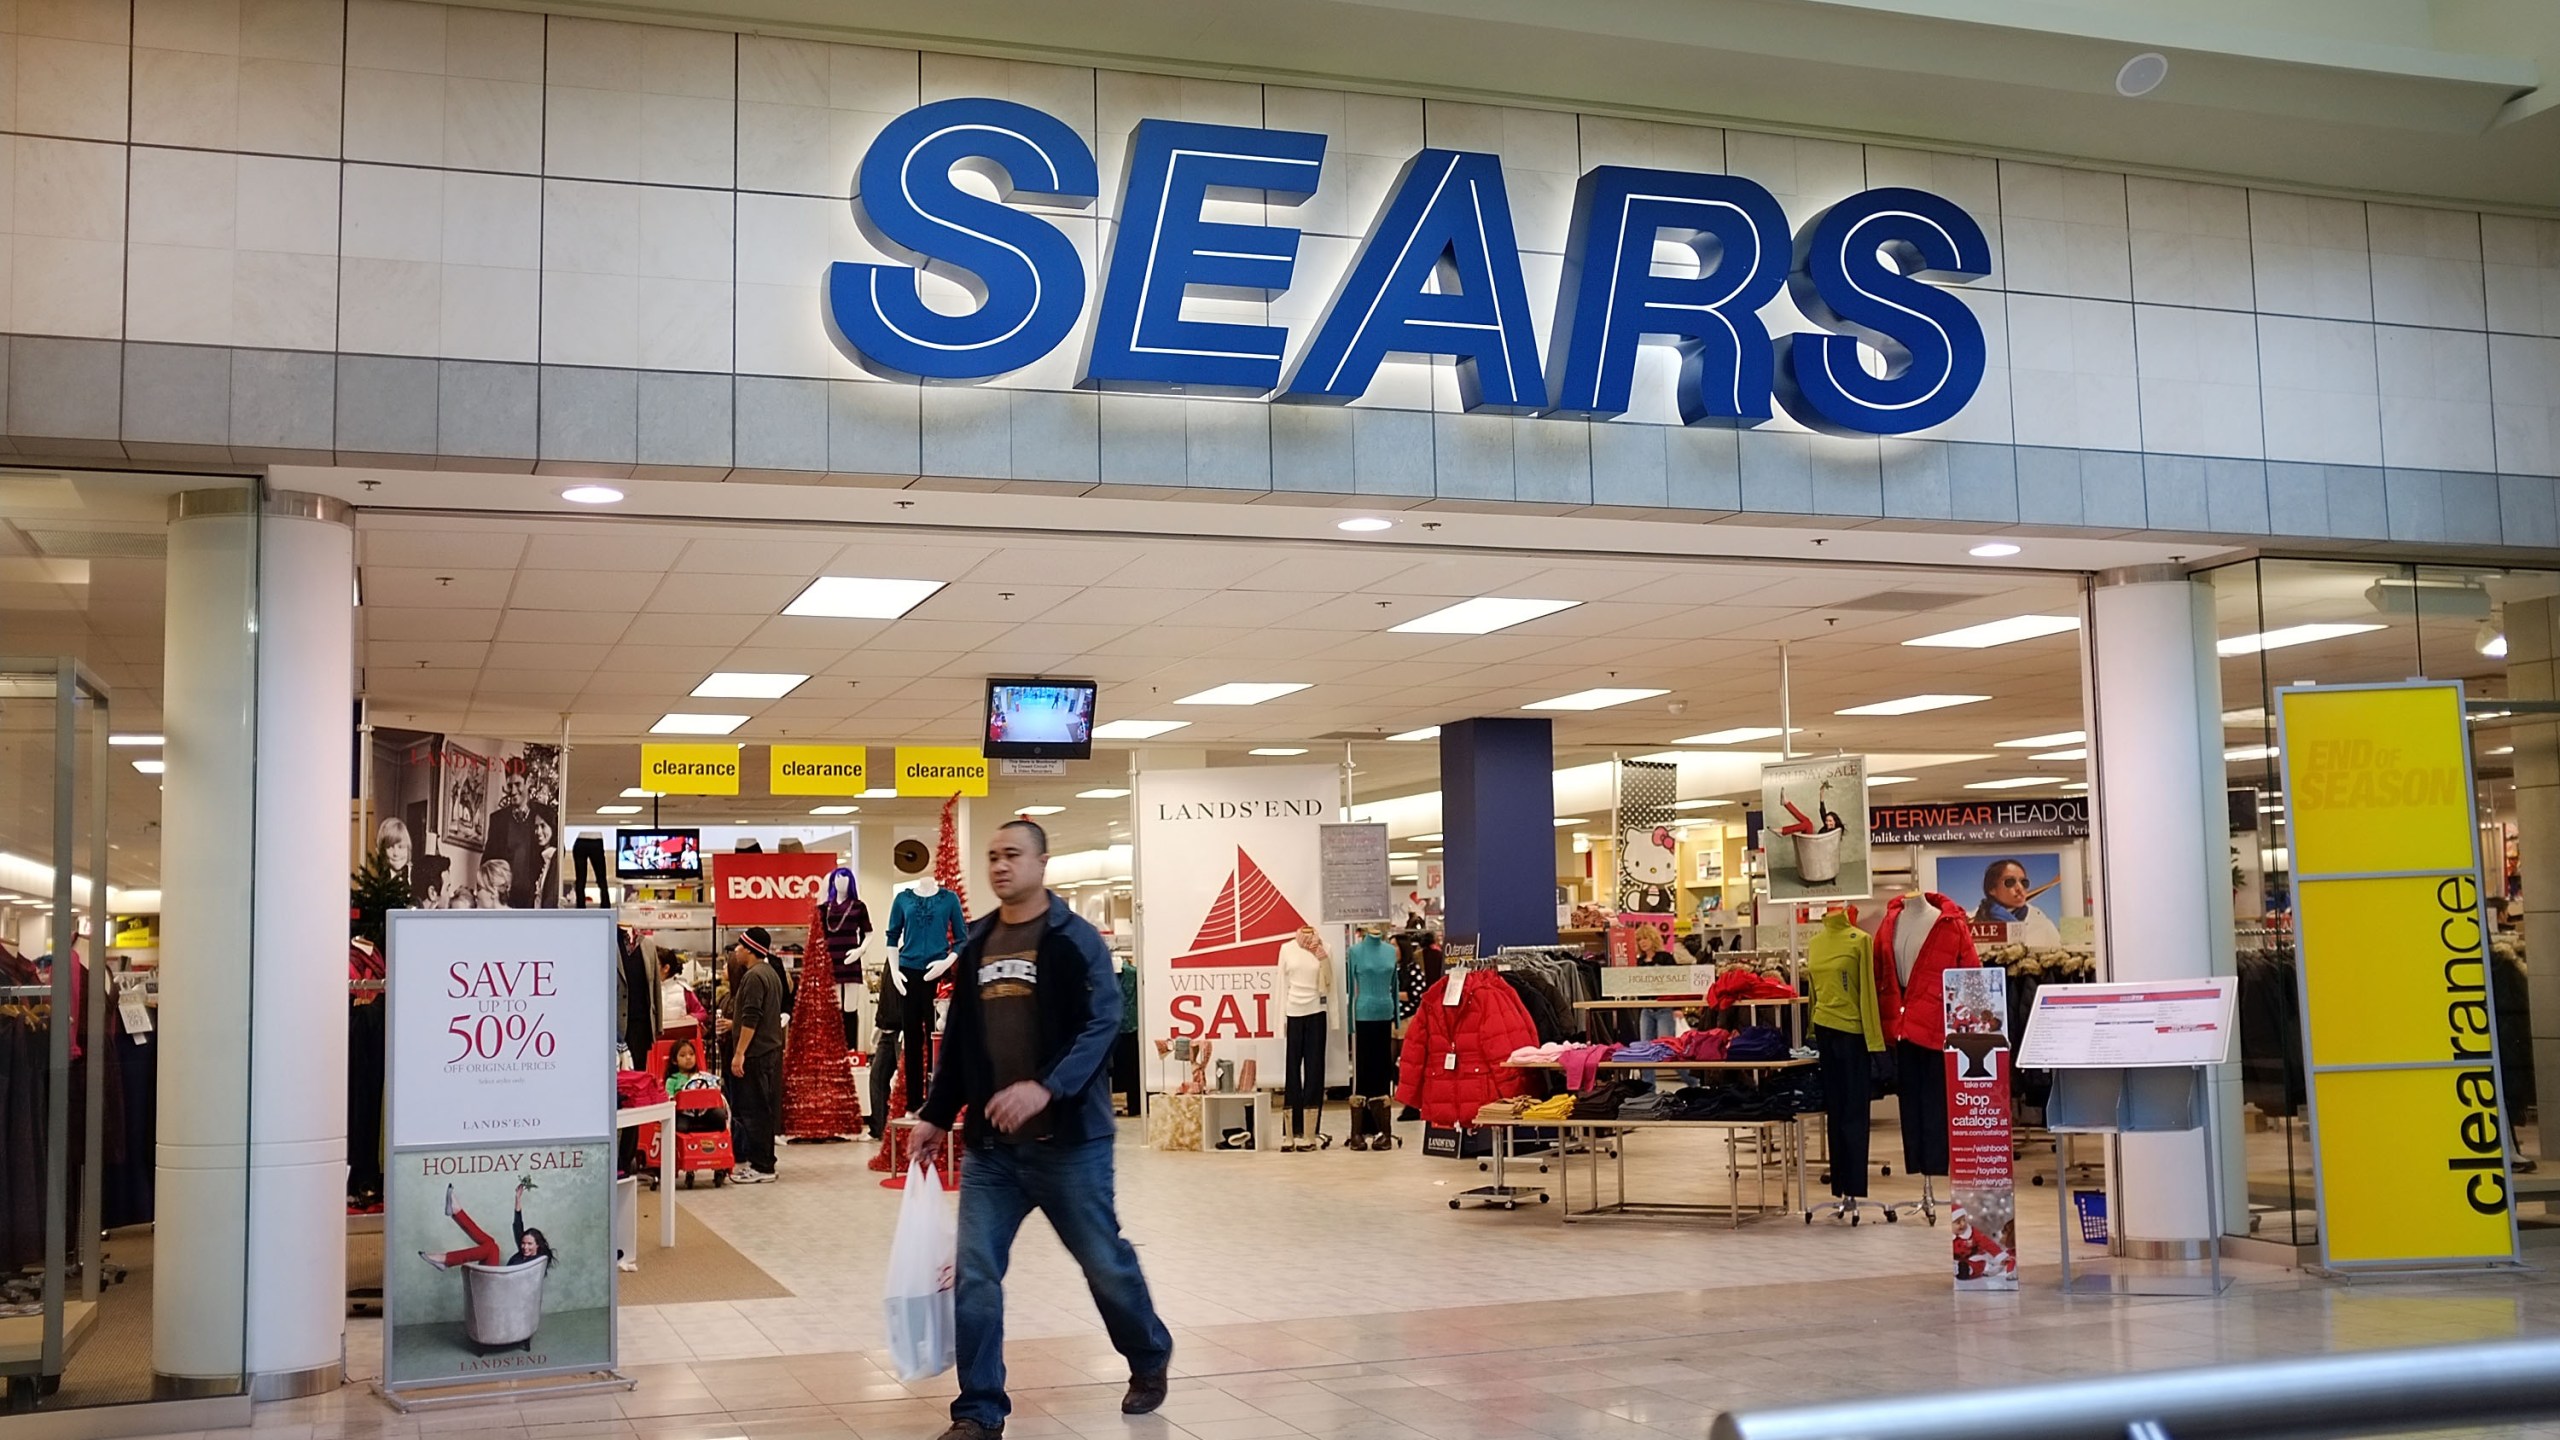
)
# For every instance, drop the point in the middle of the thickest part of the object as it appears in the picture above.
(1554, 1107)
(1644, 1050)
(1737, 984)
(1649, 1106)
(1757, 1042)
(1702, 1044)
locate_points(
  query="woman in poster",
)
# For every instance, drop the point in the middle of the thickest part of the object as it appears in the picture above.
(2007, 899)
(531, 1244)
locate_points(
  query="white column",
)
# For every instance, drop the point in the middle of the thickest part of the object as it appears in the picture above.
(253, 1185)
(2163, 849)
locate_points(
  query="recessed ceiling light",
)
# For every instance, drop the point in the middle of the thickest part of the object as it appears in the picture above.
(855, 597)
(1243, 692)
(1365, 524)
(1698, 804)
(2254, 715)
(878, 792)
(747, 685)
(1427, 732)
(591, 495)
(682, 723)
(1106, 793)
(1434, 835)
(1874, 781)
(834, 809)
(1135, 729)
(636, 793)
(1481, 616)
(1279, 750)
(1735, 736)
(2038, 742)
(1573, 820)
(2076, 752)
(2014, 782)
(137, 739)
(617, 809)
(1993, 550)
(2289, 635)
(1040, 810)
(1912, 704)
(151, 767)
(2076, 785)
(2249, 752)
(2142, 74)
(1599, 699)
(2000, 632)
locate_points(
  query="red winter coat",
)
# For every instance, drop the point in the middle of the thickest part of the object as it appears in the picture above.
(1917, 1011)
(1482, 1030)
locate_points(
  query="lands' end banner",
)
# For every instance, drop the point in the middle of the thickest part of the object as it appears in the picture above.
(2408, 1141)
(1230, 864)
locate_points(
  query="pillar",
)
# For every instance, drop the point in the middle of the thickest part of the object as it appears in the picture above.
(2533, 673)
(260, 668)
(1497, 821)
(2162, 837)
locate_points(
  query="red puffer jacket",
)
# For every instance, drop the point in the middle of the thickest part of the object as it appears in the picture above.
(1481, 1031)
(1917, 1011)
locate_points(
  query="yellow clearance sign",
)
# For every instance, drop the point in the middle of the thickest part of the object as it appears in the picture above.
(941, 770)
(689, 769)
(819, 769)
(2406, 1131)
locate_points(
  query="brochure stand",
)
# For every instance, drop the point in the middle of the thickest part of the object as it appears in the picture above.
(2149, 1100)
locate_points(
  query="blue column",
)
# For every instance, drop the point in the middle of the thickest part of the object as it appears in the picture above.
(1498, 815)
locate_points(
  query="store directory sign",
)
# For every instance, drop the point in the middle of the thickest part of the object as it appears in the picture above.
(2113, 1026)
(1354, 886)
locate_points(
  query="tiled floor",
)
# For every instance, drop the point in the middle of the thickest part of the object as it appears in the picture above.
(1336, 1294)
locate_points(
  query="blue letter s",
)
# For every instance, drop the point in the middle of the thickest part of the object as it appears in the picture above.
(1025, 274)
(1932, 343)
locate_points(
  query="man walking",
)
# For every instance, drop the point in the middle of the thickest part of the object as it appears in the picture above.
(1034, 1011)
(754, 1027)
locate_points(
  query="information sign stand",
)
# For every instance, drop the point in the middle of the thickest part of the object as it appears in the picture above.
(2134, 1059)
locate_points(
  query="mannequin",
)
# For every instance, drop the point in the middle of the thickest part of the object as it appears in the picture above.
(1306, 982)
(1124, 1050)
(926, 927)
(1848, 1026)
(1922, 937)
(1369, 974)
(846, 922)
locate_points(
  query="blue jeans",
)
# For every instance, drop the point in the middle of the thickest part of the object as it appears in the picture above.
(1659, 1025)
(1000, 1185)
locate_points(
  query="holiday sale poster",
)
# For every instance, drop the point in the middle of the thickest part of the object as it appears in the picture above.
(498, 1262)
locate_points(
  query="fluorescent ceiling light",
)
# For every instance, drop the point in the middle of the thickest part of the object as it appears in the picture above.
(2076, 752)
(878, 792)
(591, 495)
(1992, 550)
(2000, 632)
(834, 809)
(1135, 729)
(1106, 793)
(1481, 616)
(2289, 635)
(1404, 855)
(2038, 742)
(1427, 732)
(1912, 704)
(1434, 835)
(1279, 750)
(636, 793)
(747, 685)
(2076, 785)
(682, 723)
(1735, 736)
(137, 739)
(1364, 524)
(151, 767)
(855, 597)
(1243, 692)
(2014, 782)
(2254, 715)
(1040, 810)
(2501, 750)
(1697, 804)
(1874, 781)
(1599, 699)
(1573, 820)
(2249, 752)
(617, 809)
(1432, 850)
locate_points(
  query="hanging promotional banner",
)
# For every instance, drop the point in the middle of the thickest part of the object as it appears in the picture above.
(1814, 828)
(498, 1217)
(941, 770)
(469, 823)
(2408, 1140)
(771, 889)
(689, 769)
(1355, 874)
(1982, 1196)
(1230, 866)
(818, 769)
(1984, 822)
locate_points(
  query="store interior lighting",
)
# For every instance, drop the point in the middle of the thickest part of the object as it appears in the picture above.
(1038, 810)
(1482, 616)
(1993, 550)
(617, 809)
(834, 809)
(878, 792)
(1738, 735)
(1365, 524)
(2000, 632)
(2289, 636)
(1572, 820)
(1698, 804)
(1912, 704)
(687, 723)
(634, 792)
(857, 597)
(151, 767)
(145, 740)
(1135, 729)
(1596, 699)
(2014, 782)
(1105, 793)
(1243, 692)
(1275, 751)
(1427, 732)
(2249, 752)
(2039, 742)
(2076, 752)
(592, 495)
(747, 685)
(1877, 782)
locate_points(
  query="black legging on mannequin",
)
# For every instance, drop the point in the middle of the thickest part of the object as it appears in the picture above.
(1304, 1069)
(589, 851)
(1920, 1086)
(915, 1042)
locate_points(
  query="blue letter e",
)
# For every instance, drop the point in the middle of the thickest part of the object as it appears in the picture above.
(1859, 267)
(1024, 273)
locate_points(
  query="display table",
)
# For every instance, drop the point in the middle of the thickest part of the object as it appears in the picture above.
(1787, 1134)
(1261, 1102)
(662, 1115)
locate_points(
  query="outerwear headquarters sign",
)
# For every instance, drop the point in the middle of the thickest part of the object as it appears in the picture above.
(1438, 275)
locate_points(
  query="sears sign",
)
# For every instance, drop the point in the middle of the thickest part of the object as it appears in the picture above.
(776, 889)
(1438, 275)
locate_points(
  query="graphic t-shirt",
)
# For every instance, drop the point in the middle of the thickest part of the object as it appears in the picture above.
(1009, 1002)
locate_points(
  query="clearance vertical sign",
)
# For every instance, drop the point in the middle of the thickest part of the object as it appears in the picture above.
(2408, 1139)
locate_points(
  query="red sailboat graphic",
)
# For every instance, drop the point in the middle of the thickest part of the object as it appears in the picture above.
(1247, 925)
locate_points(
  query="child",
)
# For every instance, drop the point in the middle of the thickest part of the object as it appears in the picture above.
(683, 1063)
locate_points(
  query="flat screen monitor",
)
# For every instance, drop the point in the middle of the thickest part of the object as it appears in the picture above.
(1040, 719)
(657, 854)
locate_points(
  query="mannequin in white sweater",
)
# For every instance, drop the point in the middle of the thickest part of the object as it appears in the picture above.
(1306, 980)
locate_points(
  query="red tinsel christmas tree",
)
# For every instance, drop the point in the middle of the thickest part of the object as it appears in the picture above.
(948, 868)
(819, 1100)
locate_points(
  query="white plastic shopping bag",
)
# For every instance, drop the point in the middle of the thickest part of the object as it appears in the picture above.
(921, 1259)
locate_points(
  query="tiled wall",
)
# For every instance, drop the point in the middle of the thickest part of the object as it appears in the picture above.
(372, 229)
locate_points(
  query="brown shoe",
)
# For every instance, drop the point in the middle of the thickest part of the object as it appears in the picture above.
(1146, 1392)
(971, 1430)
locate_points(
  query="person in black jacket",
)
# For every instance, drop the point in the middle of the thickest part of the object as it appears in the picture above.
(1034, 1011)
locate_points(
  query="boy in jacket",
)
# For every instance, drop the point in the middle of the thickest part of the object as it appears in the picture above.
(1035, 1009)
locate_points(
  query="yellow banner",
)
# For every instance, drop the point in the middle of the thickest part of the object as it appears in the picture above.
(2397, 1016)
(941, 770)
(689, 769)
(819, 769)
